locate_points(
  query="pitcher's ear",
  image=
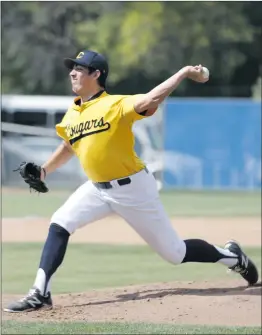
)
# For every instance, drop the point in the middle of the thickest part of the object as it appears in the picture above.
(96, 74)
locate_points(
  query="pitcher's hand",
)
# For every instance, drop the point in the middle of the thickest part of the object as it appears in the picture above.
(195, 73)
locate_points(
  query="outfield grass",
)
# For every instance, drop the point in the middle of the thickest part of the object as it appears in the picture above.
(177, 203)
(208, 203)
(100, 266)
(13, 327)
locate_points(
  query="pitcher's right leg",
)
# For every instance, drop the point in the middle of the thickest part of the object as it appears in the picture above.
(154, 227)
(143, 210)
(84, 206)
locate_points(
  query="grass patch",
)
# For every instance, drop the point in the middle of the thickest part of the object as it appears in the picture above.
(213, 204)
(176, 203)
(13, 327)
(99, 266)
(24, 203)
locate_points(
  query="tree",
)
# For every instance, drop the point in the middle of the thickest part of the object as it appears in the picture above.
(145, 42)
(36, 37)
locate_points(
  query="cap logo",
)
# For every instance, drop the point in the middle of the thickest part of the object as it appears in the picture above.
(80, 55)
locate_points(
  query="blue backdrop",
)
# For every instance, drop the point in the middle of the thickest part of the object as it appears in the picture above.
(212, 143)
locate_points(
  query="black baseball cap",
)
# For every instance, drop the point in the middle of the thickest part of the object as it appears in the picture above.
(89, 58)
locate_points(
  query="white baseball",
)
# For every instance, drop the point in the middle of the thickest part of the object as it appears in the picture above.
(205, 72)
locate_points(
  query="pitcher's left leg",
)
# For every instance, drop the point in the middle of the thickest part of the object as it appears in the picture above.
(83, 207)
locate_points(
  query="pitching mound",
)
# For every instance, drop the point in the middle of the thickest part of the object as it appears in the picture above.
(216, 303)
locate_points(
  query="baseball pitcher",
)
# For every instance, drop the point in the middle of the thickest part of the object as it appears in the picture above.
(97, 128)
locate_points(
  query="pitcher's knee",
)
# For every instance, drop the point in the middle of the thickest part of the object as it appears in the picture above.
(59, 228)
(174, 254)
(63, 222)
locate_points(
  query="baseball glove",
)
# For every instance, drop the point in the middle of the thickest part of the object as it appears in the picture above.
(31, 173)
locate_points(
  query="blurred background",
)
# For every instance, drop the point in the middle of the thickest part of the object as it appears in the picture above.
(203, 137)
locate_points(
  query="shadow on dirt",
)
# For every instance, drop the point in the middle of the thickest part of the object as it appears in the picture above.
(255, 290)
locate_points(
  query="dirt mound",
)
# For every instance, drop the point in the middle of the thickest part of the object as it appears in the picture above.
(216, 303)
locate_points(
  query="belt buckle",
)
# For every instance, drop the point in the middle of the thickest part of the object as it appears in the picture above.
(124, 181)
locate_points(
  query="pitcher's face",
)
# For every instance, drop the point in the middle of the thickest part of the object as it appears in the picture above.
(81, 80)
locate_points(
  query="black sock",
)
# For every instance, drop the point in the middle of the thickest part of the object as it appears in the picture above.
(203, 252)
(53, 254)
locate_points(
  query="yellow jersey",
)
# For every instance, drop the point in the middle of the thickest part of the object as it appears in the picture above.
(100, 133)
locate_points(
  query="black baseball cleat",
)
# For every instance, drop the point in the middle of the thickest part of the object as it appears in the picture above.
(245, 267)
(31, 302)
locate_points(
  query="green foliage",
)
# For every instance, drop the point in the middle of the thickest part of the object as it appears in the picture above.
(152, 39)
(257, 89)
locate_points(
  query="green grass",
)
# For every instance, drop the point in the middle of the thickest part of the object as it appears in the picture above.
(208, 203)
(100, 266)
(23, 203)
(13, 327)
(177, 203)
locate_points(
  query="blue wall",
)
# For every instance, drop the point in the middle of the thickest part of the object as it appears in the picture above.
(212, 143)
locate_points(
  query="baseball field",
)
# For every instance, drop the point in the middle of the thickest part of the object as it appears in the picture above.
(112, 283)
